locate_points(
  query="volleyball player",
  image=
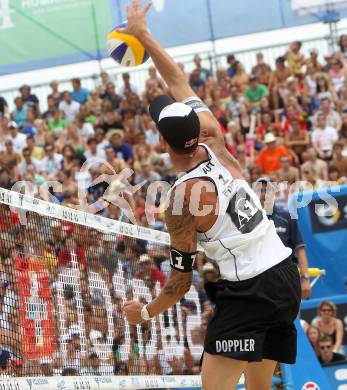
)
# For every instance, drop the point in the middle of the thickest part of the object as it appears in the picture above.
(212, 205)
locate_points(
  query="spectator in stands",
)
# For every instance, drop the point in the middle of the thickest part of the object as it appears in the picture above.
(314, 335)
(326, 351)
(20, 113)
(231, 60)
(111, 94)
(28, 98)
(79, 94)
(287, 229)
(128, 86)
(287, 172)
(27, 161)
(296, 139)
(333, 119)
(148, 272)
(315, 164)
(339, 161)
(121, 149)
(323, 138)
(295, 58)
(69, 107)
(55, 94)
(313, 61)
(278, 82)
(51, 163)
(269, 159)
(255, 92)
(18, 139)
(205, 74)
(262, 70)
(3, 106)
(330, 325)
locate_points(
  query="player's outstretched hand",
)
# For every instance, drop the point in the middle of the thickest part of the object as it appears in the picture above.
(137, 18)
(132, 312)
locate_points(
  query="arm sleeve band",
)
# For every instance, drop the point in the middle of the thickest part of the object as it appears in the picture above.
(182, 261)
(196, 104)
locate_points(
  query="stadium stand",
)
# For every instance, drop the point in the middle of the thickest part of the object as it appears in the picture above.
(288, 123)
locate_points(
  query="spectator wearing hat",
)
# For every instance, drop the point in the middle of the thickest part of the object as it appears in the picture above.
(121, 149)
(287, 228)
(323, 138)
(149, 271)
(255, 92)
(269, 158)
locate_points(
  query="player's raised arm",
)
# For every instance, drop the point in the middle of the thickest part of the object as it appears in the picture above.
(170, 71)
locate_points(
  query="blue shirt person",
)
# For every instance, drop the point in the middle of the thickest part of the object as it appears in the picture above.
(287, 229)
(79, 94)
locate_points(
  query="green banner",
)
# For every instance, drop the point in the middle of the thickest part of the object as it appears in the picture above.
(40, 33)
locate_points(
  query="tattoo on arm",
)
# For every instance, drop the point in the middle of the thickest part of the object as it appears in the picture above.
(178, 284)
(180, 222)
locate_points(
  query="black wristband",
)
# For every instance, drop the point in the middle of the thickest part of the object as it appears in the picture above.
(182, 261)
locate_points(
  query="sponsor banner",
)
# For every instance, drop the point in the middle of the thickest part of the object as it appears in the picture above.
(40, 33)
(102, 383)
(322, 217)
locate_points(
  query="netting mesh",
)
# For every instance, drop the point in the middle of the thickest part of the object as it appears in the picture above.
(64, 276)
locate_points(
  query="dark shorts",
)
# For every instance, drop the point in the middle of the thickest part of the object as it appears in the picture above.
(254, 319)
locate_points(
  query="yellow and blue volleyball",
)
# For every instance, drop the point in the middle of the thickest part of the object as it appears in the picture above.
(125, 49)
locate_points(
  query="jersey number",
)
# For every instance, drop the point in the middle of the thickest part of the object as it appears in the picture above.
(244, 213)
(177, 262)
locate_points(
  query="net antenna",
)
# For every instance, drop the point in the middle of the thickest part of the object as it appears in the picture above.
(325, 11)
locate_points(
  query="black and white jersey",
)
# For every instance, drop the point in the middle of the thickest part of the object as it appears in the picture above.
(243, 241)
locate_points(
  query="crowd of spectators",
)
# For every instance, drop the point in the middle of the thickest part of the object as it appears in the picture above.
(288, 123)
(326, 334)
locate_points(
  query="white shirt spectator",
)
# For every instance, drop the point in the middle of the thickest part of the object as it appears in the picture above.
(324, 139)
(23, 166)
(52, 166)
(87, 130)
(19, 141)
(100, 153)
(152, 137)
(70, 110)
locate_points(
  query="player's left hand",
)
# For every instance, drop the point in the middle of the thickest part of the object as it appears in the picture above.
(132, 312)
(305, 289)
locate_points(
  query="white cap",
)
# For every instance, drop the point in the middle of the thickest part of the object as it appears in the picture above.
(269, 137)
(208, 267)
(94, 335)
(12, 124)
(144, 258)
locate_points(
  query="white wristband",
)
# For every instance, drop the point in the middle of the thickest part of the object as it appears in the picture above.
(145, 314)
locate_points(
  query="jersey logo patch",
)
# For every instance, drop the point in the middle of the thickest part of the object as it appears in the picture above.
(244, 213)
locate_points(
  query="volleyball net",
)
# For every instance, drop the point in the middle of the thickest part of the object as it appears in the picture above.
(64, 276)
